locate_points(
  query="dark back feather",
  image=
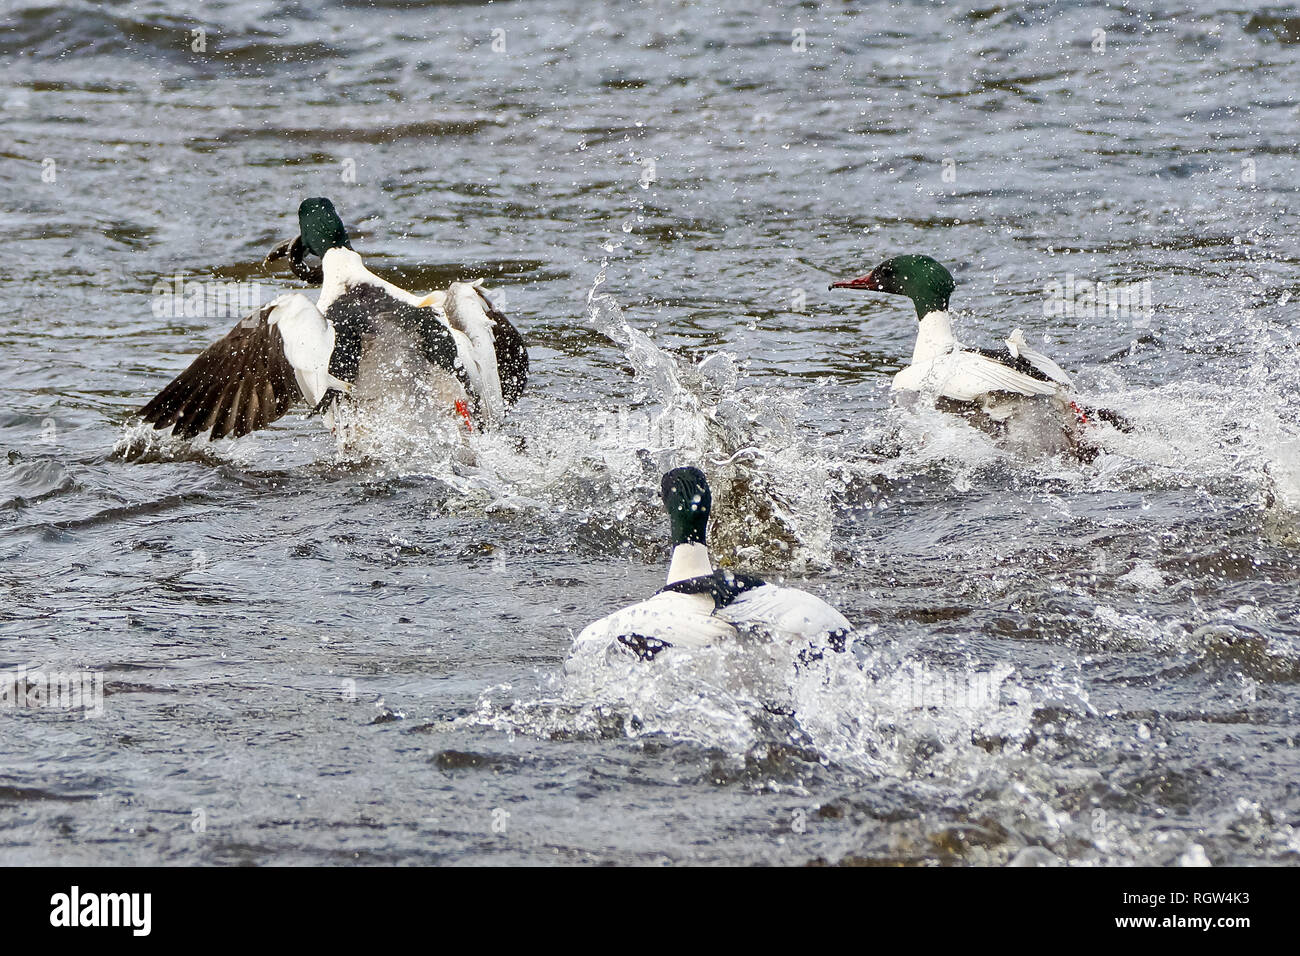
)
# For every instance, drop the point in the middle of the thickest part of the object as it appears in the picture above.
(1017, 362)
(354, 315)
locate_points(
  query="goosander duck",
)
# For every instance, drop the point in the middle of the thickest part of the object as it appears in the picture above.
(988, 385)
(453, 345)
(700, 606)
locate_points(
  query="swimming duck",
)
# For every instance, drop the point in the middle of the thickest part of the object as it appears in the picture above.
(988, 385)
(453, 346)
(700, 605)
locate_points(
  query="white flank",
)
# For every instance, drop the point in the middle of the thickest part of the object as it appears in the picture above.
(682, 620)
(940, 367)
(308, 344)
(784, 613)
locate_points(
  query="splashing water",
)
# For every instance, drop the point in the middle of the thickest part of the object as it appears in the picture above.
(772, 508)
(771, 504)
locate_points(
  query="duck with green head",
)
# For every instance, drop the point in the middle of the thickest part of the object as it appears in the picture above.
(991, 384)
(700, 606)
(371, 338)
(319, 230)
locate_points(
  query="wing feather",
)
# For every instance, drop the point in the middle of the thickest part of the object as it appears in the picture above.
(223, 416)
(1018, 350)
(512, 354)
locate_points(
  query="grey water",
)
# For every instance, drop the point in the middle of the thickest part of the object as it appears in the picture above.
(314, 658)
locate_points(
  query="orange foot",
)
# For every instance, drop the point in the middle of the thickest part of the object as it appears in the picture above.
(464, 413)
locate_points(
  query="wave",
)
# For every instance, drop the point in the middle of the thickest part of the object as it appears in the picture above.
(45, 31)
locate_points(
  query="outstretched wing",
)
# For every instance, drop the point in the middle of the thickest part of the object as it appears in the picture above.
(237, 385)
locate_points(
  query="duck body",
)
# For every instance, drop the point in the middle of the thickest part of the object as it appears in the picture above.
(751, 604)
(455, 344)
(1015, 393)
(669, 619)
(679, 615)
(945, 368)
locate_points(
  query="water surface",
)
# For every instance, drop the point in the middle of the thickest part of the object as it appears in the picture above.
(316, 660)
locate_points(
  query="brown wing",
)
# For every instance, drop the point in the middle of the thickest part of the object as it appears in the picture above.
(239, 384)
(512, 354)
